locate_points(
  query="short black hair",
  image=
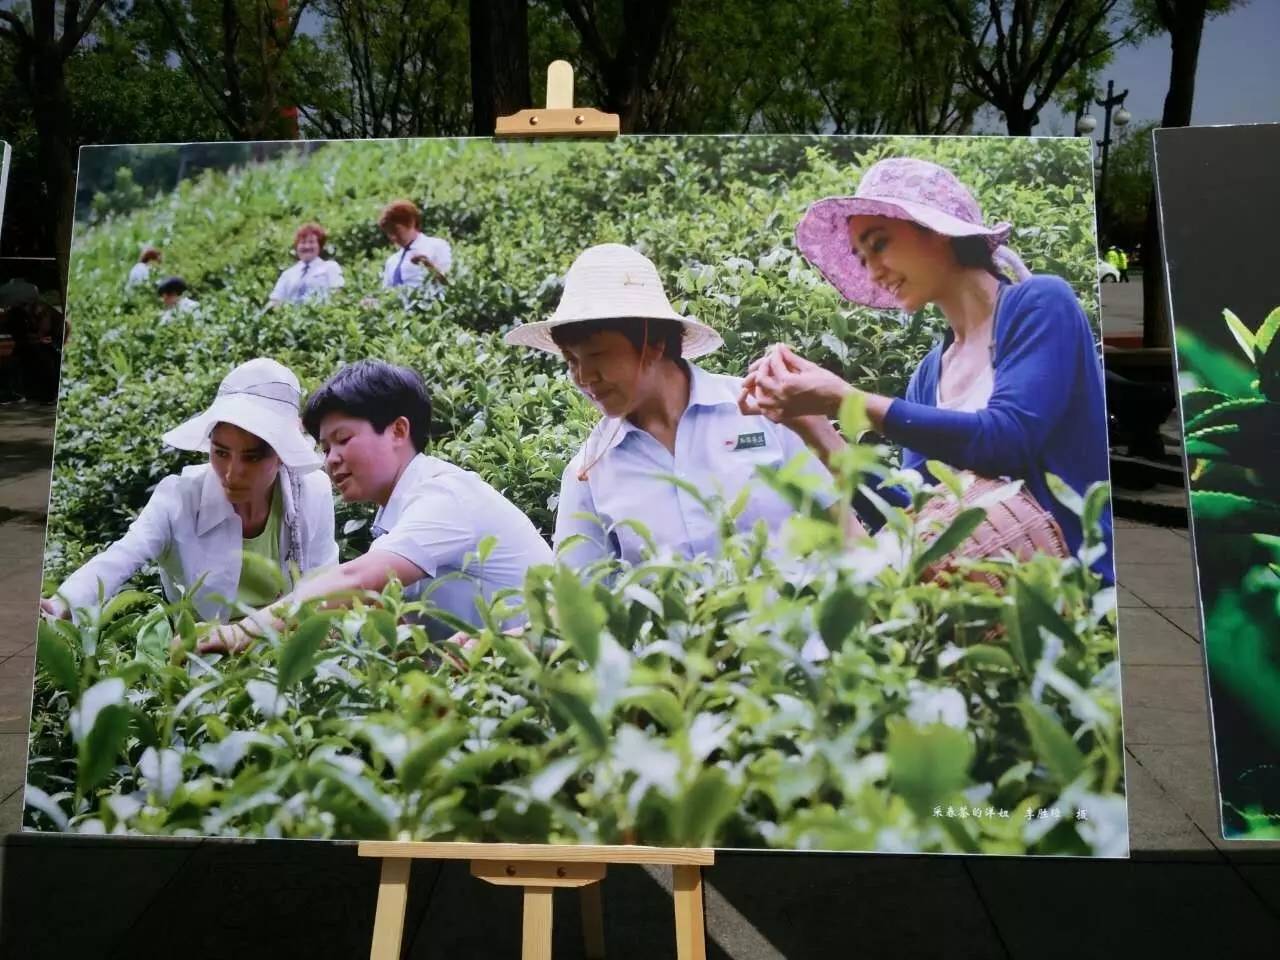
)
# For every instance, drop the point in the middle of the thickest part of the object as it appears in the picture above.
(376, 391)
(663, 332)
(172, 285)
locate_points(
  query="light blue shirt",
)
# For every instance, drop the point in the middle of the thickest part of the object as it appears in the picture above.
(717, 451)
(436, 517)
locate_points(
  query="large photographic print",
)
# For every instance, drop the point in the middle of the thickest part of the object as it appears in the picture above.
(746, 492)
(1226, 315)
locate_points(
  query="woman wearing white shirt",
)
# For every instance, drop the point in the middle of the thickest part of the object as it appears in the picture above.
(261, 493)
(312, 277)
(140, 274)
(420, 261)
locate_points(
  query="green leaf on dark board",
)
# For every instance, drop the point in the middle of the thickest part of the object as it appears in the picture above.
(1233, 512)
(1267, 331)
(1243, 335)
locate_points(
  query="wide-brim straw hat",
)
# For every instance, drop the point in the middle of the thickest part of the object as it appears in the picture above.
(607, 282)
(261, 397)
(901, 188)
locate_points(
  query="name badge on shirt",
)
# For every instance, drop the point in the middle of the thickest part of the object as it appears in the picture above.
(748, 441)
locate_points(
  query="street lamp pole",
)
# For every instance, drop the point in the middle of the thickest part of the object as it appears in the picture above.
(1113, 101)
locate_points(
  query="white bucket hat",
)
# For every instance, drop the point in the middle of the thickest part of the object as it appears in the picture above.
(607, 282)
(262, 397)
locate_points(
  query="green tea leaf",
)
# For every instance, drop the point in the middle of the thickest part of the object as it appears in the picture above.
(1233, 512)
(1267, 332)
(55, 655)
(704, 808)
(986, 655)
(961, 527)
(578, 614)
(927, 764)
(298, 653)
(1243, 335)
(428, 752)
(577, 712)
(1051, 743)
(100, 750)
(126, 602)
(840, 611)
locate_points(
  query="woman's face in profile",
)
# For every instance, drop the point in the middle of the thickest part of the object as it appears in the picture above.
(244, 463)
(911, 263)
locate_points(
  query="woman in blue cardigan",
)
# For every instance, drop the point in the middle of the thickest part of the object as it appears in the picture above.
(1015, 388)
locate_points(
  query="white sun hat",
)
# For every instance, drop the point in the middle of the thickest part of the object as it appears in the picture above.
(262, 397)
(607, 282)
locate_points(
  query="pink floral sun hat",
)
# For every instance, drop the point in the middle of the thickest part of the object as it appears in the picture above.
(904, 189)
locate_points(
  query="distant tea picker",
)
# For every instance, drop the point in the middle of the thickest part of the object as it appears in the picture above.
(312, 278)
(260, 495)
(1015, 388)
(419, 261)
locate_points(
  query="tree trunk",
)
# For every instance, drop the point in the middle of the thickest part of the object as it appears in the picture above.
(499, 61)
(1019, 121)
(1184, 38)
(51, 111)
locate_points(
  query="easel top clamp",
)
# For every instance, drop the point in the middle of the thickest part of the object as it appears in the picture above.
(561, 118)
(542, 868)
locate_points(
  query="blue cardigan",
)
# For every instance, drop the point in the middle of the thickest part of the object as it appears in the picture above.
(1046, 414)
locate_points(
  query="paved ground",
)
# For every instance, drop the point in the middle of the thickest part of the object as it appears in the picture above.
(1122, 307)
(1186, 892)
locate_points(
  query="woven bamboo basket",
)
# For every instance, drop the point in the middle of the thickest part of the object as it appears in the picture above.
(1018, 527)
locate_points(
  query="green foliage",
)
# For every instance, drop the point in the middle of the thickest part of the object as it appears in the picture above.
(669, 703)
(1231, 410)
(676, 707)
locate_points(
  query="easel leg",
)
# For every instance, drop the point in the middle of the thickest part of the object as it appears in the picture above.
(691, 933)
(537, 923)
(592, 921)
(388, 921)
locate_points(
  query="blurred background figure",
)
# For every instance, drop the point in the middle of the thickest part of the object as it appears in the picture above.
(421, 261)
(173, 294)
(140, 273)
(312, 277)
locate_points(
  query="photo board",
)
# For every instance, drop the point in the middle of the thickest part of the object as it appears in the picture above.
(1225, 308)
(605, 563)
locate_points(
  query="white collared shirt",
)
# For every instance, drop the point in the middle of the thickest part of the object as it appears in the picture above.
(139, 273)
(190, 530)
(308, 280)
(413, 274)
(717, 451)
(436, 517)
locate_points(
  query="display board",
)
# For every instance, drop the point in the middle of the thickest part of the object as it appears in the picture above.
(636, 576)
(6, 153)
(1225, 305)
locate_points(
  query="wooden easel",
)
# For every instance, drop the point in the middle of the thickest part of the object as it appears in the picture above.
(541, 868)
(561, 118)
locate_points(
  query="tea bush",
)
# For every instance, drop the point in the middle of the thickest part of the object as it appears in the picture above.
(828, 702)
